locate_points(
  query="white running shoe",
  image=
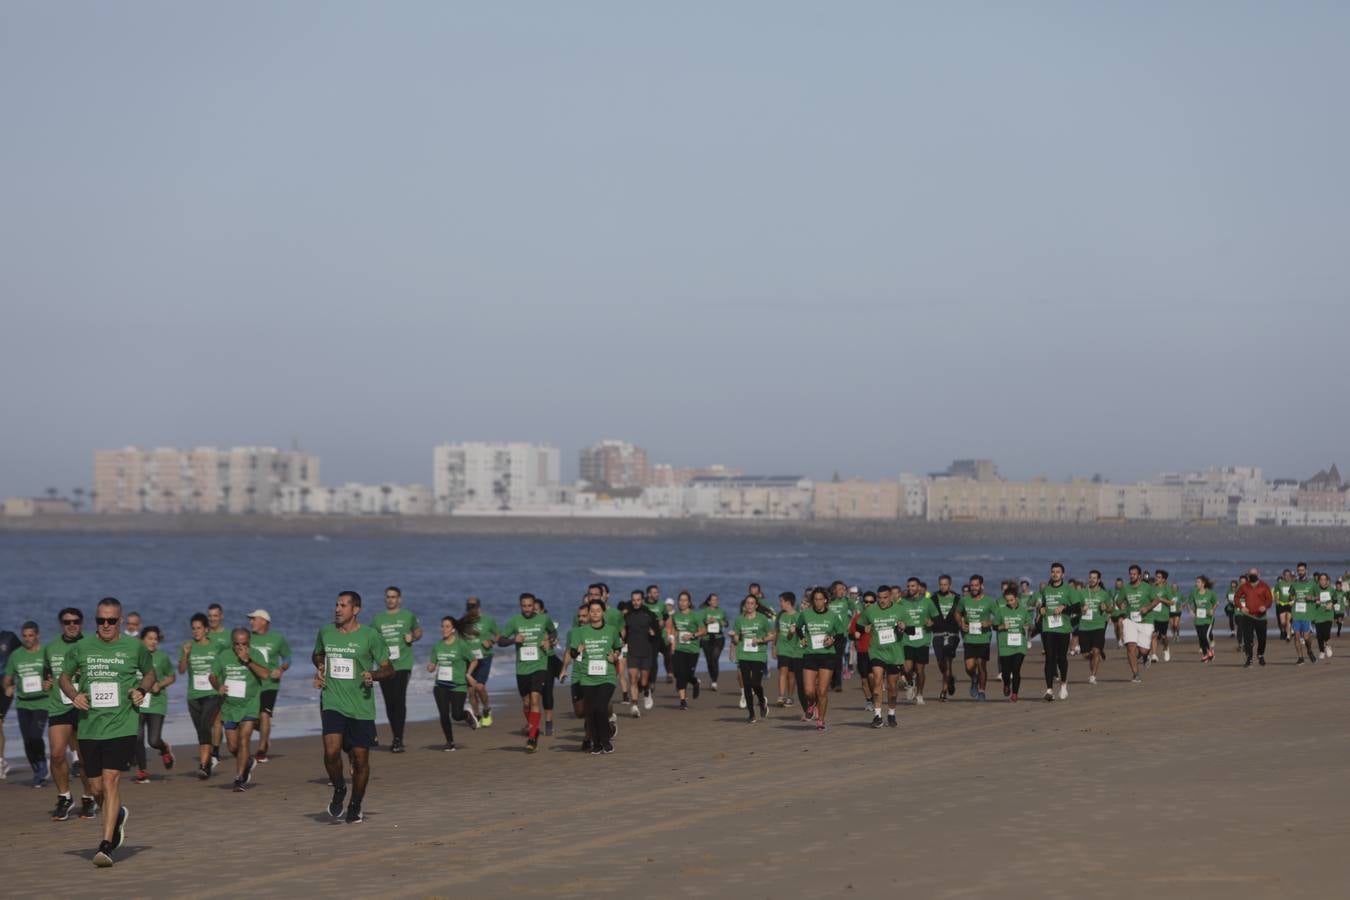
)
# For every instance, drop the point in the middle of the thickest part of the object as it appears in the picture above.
(867, 707)
(741, 704)
(713, 686)
(918, 701)
(647, 701)
(1153, 657)
(1092, 679)
(1064, 690)
(1049, 694)
(637, 713)
(1167, 654)
(909, 692)
(1329, 653)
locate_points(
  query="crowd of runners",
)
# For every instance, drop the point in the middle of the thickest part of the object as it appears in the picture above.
(91, 706)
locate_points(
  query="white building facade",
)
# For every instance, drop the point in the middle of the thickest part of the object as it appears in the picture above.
(474, 476)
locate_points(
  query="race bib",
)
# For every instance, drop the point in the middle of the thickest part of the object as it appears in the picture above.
(886, 636)
(1014, 639)
(1324, 596)
(1201, 612)
(749, 645)
(236, 688)
(685, 636)
(597, 667)
(529, 653)
(817, 642)
(32, 684)
(1285, 590)
(394, 652)
(714, 628)
(341, 667)
(201, 682)
(918, 634)
(1055, 621)
(1088, 615)
(445, 673)
(975, 627)
(145, 701)
(1300, 607)
(477, 653)
(1136, 616)
(104, 695)
(64, 699)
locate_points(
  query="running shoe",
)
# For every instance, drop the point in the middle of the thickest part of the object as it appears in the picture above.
(974, 690)
(781, 701)
(1049, 695)
(215, 762)
(741, 704)
(395, 747)
(120, 829)
(473, 721)
(596, 749)
(867, 706)
(634, 711)
(763, 709)
(1247, 664)
(890, 721)
(606, 747)
(626, 698)
(485, 721)
(1261, 660)
(1063, 690)
(696, 689)
(942, 697)
(335, 805)
(951, 685)
(787, 701)
(647, 701)
(909, 691)
(1012, 697)
(1092, 679)
(248, 771)
(1312, 660)
(712, 686)
(981, 696)
(820, 725)
(103, 857)
(204, 772)
(811, 710)
(88, 808)
(448, 748)
(1137, 680)
(354, 814)
(1167, 654)
(613, 726)
(1153, 657)
(548, 729)
(531, 745)
(586, 746)
(751, 720)
(1006, 690)
(918, 701)
(260, 757)
(876, 721)
(1299, 661)
(62, 811)
(239, 786)
(142, 777)
(684, 704)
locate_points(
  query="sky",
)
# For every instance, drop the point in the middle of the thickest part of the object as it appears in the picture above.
(790, 237)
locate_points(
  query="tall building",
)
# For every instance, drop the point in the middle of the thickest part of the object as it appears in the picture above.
(477, 475)
(204, 479)
(614, 464)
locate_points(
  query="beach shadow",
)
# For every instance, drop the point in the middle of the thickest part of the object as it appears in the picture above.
(323, 818)
(126, 852)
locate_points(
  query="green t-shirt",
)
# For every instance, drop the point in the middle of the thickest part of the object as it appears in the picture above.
(53, 657)
(816, 627)
(715, 620)
(273, 648)
(916, 613)
(1134, 599)
(25, 667)
(888, 640)
(220, 638)
(686, 626)
(452, 661)
(1283, 591)
(788, 643)
(1321, 602)
(392, 627)
(1097, 607)
(348, 655)
(1051, 597)
(242, 685)
(487, 636)
(107, 671)
(592, 665)
(152, 703)
(1013, 626)
(1170, 606)
(201, 663)
(752, 638)
(841, 607)
(1203, 605)
(536, 630)
(978, 613)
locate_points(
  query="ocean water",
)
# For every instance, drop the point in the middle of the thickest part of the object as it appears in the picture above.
(168, 578)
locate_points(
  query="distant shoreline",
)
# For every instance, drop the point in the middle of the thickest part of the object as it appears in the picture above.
(897, 532)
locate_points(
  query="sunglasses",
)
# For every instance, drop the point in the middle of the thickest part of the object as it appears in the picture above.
(71, 621)
(108, 621)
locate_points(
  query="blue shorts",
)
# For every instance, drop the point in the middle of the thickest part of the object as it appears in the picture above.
(355, 732)
(483, 669)
(1302, 627)
(231, 726)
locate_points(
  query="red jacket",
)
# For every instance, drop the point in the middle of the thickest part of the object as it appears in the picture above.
(1257, 598)
(863, 638)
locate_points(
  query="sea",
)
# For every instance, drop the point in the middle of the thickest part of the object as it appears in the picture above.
(297, 578)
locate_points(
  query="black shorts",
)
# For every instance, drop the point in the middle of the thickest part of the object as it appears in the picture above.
(975, 651)
(355, 732)
(1160, 628)
(640, 663)
(865, 663)
(70, 717)
(533, 683)
(945, 644)
(1093, 639)
(888, 668)
(916, 655)
(818, 661)
(113, 754)
(267, 701)
(577, 693)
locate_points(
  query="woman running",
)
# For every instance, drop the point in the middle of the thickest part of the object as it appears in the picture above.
(452, 660)
(1012, 623)
(1203, 604)
(714, 641)
(788, 651)
(595, 648)
(154, 706)
(820, 629)
(685, 629)
(198, 658)
(752, 634)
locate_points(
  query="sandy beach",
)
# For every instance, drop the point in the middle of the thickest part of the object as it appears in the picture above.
(1205, 781)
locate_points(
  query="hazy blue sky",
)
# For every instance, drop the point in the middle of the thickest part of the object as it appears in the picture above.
(1074, 237)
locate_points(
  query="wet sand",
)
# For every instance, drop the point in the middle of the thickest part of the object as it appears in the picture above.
(1205, 781)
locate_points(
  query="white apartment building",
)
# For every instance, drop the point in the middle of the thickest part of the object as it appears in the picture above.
(749, 497)
(476, 476)
(357, 499)
(204, 479)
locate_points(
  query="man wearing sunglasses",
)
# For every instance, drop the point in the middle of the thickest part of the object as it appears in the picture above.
(106, 677)
(63, 718)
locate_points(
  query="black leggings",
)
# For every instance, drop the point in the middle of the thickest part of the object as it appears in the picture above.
(685, 666)
(1252, 630)
(450, 704)
(152, 724)
(840, 655)
(752, 679)
(794, 665)
(595, 700)
(1202, 635)
(203, 712)
(1323, 630)
(1056, 656)
(712, 654)
(395, 691)
(1010, 670)
(32, 725)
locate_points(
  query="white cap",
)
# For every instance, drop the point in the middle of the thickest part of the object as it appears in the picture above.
(260, 614)
(670, 601)
(853, 590)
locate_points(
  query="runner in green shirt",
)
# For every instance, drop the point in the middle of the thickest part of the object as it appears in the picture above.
(1168, 598)
(24, 677)
(400, 630)
(455, 659)
(63, 718)
(154, 706)
(348, 659)
(1056, 603)
(534, 635)
(1284, 603)
(917, 612)
(787, 649)
(275, 651)
(885, 626)
(842, 606)
(238, 676)
(480, 703)
(1203, 605)
(975, 617)
(685, 629)
(113, 672)
(752, 634)
(819, 630)
(220, 635)
(1013, 624)
(595, 649)
(1097, 607)
(197, 659)
(1137, 602)
(714, 642)
(1324, 599)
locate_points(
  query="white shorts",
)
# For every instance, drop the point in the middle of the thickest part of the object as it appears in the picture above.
(1140, 633)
